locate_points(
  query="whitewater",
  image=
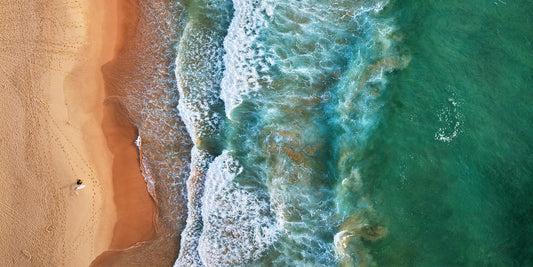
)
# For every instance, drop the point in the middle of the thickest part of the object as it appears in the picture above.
(341, 132)
(278, 98)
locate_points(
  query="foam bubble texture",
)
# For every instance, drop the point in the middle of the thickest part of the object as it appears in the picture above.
(238, 224)
(188, 255)
(198, 72)
(243, 59)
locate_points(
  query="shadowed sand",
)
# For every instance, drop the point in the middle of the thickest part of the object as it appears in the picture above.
(51, 117)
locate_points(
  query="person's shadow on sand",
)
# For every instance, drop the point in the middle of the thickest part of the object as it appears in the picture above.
(75, 187)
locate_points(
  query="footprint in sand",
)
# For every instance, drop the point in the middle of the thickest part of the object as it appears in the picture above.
(50, 228)
(26, 254)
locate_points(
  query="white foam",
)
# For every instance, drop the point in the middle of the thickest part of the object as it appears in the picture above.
(198, 71)
(145, 170)
(138, 142)
(341, 242)
(452, 119)
(188, 255)
(243, 59)
(238, 226)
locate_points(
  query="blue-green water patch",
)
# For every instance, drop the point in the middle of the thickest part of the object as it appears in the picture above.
(451, 159)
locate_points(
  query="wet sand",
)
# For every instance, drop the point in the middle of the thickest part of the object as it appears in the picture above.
(135, 207)
(140, 80)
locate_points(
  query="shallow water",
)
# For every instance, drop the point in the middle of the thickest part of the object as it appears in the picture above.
(393, 133)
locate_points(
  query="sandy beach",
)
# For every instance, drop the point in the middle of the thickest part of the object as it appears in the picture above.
(56, 127)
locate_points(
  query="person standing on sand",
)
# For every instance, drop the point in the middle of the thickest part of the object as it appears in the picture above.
(80, 185)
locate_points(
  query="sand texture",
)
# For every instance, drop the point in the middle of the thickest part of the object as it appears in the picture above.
(52, 132)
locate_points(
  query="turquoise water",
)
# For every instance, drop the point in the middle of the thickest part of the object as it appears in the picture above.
(357, 133)
(452, 161)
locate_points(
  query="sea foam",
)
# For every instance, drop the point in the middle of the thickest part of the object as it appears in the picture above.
(242, 60)
(238, 224)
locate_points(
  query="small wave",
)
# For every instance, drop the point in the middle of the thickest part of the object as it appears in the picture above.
(451, 118)
(188, 255)
(238, 224)
(243, 55)
(198, 73)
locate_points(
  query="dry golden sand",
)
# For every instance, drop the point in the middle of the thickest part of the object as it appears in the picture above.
(51, 117)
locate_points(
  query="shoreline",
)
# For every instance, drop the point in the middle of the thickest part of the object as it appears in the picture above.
(139, 81)
(135, 208)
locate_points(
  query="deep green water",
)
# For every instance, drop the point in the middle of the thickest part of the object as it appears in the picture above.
(451, 161)
(339, 132)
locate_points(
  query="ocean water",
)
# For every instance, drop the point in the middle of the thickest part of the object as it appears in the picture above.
(356, 133)
(452, 165)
